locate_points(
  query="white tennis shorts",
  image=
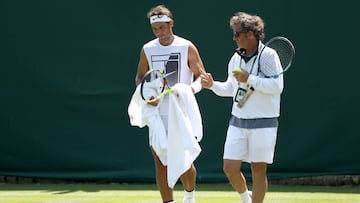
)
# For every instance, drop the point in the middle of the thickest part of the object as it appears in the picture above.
(250, 145)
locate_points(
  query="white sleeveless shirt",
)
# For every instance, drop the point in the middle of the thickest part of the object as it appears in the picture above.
(168, 59)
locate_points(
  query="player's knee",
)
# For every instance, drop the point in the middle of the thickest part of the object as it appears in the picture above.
(258, 169)
(191, 171)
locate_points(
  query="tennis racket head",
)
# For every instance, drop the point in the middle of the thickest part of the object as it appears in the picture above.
(152, 85)
(285, 50)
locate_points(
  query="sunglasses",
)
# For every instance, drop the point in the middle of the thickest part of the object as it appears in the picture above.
(237, 34)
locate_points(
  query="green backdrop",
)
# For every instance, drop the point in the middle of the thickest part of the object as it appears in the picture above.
(67, 73)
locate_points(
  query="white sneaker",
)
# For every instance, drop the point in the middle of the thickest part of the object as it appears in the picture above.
(189, 200)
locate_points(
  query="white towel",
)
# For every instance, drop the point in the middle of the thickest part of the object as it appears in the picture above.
(180, 149)
(184, 126)
(142, 114)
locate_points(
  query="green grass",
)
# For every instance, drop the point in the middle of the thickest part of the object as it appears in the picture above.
(147, 193)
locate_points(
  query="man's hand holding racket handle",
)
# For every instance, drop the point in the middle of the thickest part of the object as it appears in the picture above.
(154, 101)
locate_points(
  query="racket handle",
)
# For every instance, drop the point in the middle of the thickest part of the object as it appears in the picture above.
(165, 92)
(160, 95)
(246, 97)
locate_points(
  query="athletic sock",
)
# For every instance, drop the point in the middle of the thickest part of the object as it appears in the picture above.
(171, 201)
(189, 197)
(245, 196)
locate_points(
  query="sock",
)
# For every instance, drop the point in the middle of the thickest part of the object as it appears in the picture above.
(171, 201)
(245, 196)
(189, 195)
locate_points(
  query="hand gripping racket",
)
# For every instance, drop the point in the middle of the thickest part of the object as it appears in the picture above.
(154, 85)
(286, 52)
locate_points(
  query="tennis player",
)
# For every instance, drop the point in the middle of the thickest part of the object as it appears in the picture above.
(252, 130)
(170, 53)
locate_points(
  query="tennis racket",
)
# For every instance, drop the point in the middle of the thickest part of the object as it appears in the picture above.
(154, 85)
(286, 52)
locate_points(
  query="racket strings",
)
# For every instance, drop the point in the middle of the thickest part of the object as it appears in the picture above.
(285, 51)
(153, 85)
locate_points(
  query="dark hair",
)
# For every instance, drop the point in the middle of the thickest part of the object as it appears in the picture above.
(159, 10)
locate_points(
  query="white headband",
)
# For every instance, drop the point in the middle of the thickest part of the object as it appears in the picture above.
(159, 18)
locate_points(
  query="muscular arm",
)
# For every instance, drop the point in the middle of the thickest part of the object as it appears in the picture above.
(143, 67)
(194, 61)
(196, 65)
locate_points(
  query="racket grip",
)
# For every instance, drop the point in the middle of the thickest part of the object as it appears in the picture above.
(165, 92)
(246, 97)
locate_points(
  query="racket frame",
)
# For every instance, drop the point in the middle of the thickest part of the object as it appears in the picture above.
(165, 87)
(292, 48)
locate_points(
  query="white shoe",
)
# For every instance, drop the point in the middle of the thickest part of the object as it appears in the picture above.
(189, 200)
